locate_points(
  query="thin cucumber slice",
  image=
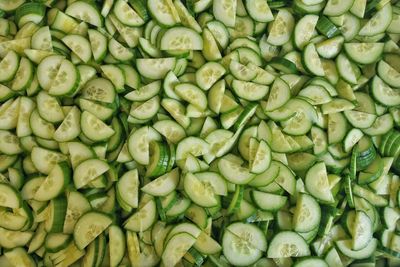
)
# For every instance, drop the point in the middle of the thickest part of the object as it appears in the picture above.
(66, 81)
(243, 251)
(94, 128)
(344, 246)
(336, 8)
(225, 11)
(200, 193)
(55, 182)
(161, 11)
(155, 68)
(143, 218)
(317, 183)
(79, 45)
(126, 14)
(378, 23)
(307, 214)
(312, 61)
(282, 28)
(89, 170)
(383, 93)
(9, 66)
(89, 226)
(288, 244)
(23, 76)
(86, 12)
(364, 53)
(181, 38)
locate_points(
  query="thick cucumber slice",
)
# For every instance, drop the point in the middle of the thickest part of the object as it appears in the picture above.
(347, 70)
(49, 108)
(56, 242)
(90, 226)
(76, 207)
(360, 119)
(311, 261)
(243, 244)
(191, 146)
(287, 244)
(44, 160)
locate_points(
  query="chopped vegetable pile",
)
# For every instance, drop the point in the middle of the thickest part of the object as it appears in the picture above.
(199, 133)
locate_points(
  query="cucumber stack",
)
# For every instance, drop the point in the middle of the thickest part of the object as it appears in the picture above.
(199, 133)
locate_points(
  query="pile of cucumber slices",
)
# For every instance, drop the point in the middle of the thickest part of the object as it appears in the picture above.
(199, 133)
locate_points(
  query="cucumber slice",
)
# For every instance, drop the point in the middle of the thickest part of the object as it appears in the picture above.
(317, 183)
(383, 93)
(225, 11)
(282, 28)
(362, 231)
(378, 23)
(55, 182)
(364, 53)
(344, 246)
(287, 244)
(86, 12)
(90, 226)
(307, 214)
(143, 218)
(9, 66)
(243, 244)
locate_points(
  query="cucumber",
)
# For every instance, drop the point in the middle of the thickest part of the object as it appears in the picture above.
(146, 133)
